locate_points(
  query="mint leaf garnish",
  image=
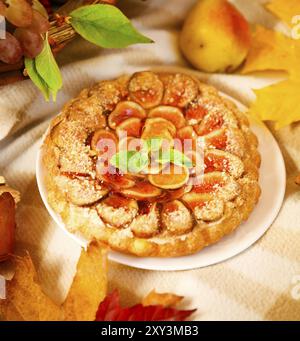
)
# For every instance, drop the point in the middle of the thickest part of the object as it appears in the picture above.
(138, 162)
(164, 156)
(120, 160)
(130, 161)
(179, 158)
(154, 144)
(176, 157)
(105, 26)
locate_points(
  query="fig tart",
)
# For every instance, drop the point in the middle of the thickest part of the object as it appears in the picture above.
(111, 177)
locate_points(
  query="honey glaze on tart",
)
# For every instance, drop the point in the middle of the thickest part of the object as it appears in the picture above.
(162, 208)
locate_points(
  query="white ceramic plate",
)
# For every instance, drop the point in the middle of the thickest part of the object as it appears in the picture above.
(272, 182)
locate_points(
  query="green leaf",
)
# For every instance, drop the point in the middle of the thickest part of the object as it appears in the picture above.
(36, 78)
(48, 70)
(154, 144)
(120, 160)
(176, 157)
(105, 26)
(131, 161)
(179, 158)
(142, 144)
(138, 162)
(164, 157)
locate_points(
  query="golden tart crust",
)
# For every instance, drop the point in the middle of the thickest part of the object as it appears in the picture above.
(133, 215)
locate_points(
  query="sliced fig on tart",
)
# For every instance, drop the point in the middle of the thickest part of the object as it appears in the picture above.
(174, 194)
(131, 143)
(102, 140)
(154, 168)
(147, 223)
(205, 206)
(153, 127)
(208, 183)
(220, 183)
(172, 114)
(221, 161)
(108, 93)
(146, 89)
(88, 112)
(213, 210)
(91, 122)
(195, 112)
(197, 158)
(186, 133)
(142, 191)
(69, 134)
(76, 163)
(113, 177)
(171, 178)
(176, 218)
(216, 120)
(209, 123)
(117, 210)
(162, 134)
(81, 191)
(230, 140)
(130, 127)
(118, 182)
(180, 89)
(124, 111)
(72, 152)
(159, 128)
(217, 139)
(188, 138)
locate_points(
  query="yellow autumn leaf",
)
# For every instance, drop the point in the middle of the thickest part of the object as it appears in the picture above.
(278, 102)
(27, 301)
(89, 285)
(165, 299)
(25, 298)
(272, 50)
(284, 10)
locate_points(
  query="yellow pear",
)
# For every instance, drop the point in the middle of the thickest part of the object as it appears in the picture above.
(215, 36)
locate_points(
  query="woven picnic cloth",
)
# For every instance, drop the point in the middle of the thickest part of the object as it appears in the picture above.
(258, 284)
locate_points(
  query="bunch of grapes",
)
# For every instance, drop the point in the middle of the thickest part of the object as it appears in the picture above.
(26, 22)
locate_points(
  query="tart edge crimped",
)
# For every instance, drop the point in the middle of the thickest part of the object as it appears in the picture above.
(86, 221)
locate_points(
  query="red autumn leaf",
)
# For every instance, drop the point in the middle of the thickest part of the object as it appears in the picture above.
(110, 310)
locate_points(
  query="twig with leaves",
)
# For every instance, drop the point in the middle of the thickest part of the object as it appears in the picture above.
(101, 24)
